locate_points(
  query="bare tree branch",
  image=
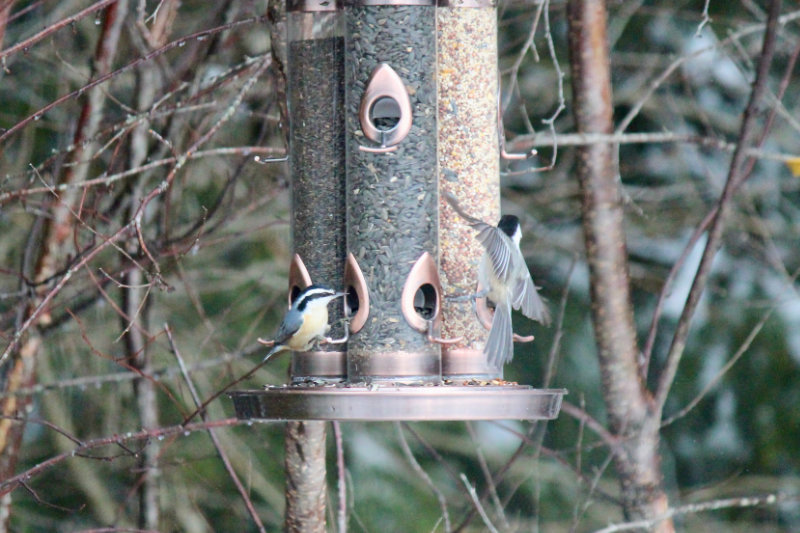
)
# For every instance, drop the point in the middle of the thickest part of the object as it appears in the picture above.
(747, 130)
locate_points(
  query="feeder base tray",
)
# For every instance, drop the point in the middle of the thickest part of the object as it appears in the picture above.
(493, 400)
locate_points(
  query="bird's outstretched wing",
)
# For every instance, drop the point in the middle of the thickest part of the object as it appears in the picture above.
(529, 302)
(496, 243)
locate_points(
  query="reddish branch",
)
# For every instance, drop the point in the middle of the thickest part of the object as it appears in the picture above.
(736, 171)
(52, 28)
(5, 11)
(138, 61)
(10, 483)
(52, 252)
(704, 224)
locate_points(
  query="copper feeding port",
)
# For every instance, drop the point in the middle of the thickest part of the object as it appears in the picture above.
(299, 278)
(385, 112)
(421, 299)
(357, 297)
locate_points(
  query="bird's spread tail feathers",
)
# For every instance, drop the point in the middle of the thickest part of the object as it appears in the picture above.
(499, 347)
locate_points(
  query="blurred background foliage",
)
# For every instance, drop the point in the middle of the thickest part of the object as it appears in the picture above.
(221, 235)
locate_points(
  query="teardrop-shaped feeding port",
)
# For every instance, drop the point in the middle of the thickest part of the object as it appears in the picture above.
(385, 112)
(420, 301)
(357, 295)
(299, 278)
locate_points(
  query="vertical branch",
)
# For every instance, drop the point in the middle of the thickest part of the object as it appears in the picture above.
(601, 207)
(52, 252)
(134, 319)
(736, 170)
(5, 11)
(341, 515)
(627, 401)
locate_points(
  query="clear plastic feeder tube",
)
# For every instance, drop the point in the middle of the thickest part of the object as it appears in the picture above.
(315, 90)
(469, 169)
(392, 190)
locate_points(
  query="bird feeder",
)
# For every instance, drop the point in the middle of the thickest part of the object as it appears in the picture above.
(413, 115)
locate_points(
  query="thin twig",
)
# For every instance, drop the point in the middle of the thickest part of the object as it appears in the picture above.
(487, 475)
(102, 79)
(211, 433)
(7, 485)
(546, 140)
(694, 508)
(423, 475)
(52, 28)
(705, 20)
(478, 505)
(655, 84)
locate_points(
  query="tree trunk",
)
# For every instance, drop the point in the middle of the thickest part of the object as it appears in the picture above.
(305, 477)
(627, 400)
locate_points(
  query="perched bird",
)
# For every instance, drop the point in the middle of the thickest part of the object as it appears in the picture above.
(505, 280)
(306, 322)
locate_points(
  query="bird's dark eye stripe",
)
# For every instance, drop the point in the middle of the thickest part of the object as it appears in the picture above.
(313, 295)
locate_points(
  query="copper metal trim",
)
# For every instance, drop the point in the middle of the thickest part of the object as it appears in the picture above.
(467, 3)
(467, 363)
(353, 277)
(384, 82)
(318, 365)
(312, 5)
(298, 276)
(423, 272)
(395, 366)
(365, 3)
(382, 403)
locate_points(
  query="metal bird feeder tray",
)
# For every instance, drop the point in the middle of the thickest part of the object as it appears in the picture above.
(383, 120)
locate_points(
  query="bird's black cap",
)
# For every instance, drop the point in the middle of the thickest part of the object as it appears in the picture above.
(509, 224)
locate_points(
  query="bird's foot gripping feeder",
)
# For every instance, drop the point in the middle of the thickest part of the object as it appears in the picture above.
(393, 107)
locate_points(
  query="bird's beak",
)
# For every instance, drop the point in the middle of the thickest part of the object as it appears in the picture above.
(339, 294)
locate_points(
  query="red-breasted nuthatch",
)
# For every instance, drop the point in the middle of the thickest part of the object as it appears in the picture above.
(505, 280)
(306, 322)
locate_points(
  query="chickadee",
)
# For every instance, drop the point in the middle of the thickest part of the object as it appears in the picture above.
(306, 322)
(505, 280)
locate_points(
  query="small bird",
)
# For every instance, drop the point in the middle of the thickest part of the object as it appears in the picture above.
(505, 280)
(306, 322)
